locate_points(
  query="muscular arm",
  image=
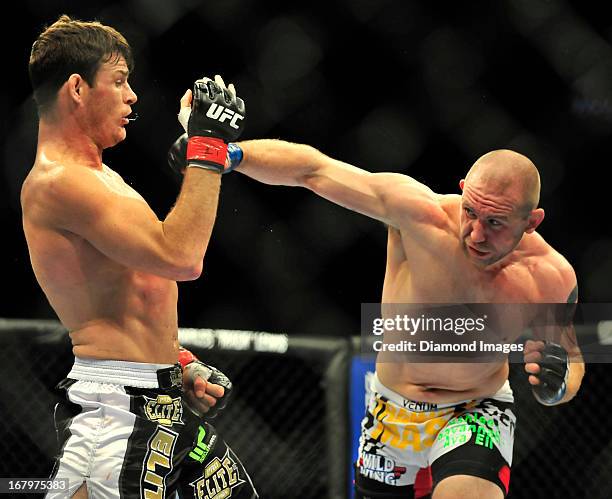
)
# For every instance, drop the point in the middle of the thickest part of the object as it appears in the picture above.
(564, 334)
(570, 343)
(395, 199)
(124, 227)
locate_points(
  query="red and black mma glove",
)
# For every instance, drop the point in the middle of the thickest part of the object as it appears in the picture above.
(554, 370)
(216, 118)
(177, 155)
(193, 367)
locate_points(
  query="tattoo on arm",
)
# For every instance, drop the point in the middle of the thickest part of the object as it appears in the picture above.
(570, 332)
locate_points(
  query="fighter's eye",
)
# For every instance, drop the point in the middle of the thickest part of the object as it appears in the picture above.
(494, 223)
(469, 212)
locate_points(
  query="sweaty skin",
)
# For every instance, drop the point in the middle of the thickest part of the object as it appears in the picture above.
(440, 272)
(106, 263)
(110, 310)
(480, 247)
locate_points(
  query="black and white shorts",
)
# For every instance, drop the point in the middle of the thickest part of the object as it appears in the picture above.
(127, 433)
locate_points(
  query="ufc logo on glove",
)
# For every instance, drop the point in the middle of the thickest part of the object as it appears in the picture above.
(220, 113)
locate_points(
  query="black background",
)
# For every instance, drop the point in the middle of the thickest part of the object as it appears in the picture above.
(421, 88)
(398, 86)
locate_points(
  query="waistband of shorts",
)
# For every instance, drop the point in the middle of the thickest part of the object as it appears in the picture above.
(504, 394)
(121, 372)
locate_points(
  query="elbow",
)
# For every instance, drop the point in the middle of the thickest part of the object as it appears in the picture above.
(191, 273)
(196, 270)
(311, 182)
(180, 262)
(187, 270)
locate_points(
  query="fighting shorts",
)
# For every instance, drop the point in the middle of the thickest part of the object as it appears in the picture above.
(125, 431)
(400, 436)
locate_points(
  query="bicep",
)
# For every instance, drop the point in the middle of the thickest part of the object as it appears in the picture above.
(123, 228)
(395, 199)
(556, 323)
(569, 341)
(126, 230)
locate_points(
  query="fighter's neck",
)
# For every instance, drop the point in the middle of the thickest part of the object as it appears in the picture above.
(62, 144)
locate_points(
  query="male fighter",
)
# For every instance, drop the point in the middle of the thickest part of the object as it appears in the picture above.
(477, 247)
(109, 269)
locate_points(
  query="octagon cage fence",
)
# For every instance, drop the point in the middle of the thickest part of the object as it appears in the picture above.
(294, 415)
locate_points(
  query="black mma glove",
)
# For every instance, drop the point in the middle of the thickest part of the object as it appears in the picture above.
(212, 375)
(177, 155)
(216, 118)
(192, 368)
(554, 369)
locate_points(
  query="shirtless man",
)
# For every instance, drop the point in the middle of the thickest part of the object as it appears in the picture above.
(109, 269)
(477, 247)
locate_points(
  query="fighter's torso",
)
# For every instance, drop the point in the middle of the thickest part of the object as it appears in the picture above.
(112, 312)
(433, 268)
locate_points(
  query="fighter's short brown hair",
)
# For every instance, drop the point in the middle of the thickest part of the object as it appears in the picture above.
(71, 46)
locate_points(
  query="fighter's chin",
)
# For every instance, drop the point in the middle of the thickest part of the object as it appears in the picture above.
(117, 138)
(122, 134)
(478, 257)
(483, 263)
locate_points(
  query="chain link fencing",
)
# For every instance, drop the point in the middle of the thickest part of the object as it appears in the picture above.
(288, 419)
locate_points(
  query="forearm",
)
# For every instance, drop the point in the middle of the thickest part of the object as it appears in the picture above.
(575, 362)
(388, 197)
(277, 162)
(574, 377)
(188, 227)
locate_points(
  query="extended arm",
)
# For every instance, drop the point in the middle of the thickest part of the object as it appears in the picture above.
(397, 200)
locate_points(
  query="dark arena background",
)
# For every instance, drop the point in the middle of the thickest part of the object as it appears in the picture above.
(420, 88)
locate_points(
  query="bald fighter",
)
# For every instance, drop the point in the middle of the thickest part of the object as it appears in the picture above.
(477, 247)
(109, 266)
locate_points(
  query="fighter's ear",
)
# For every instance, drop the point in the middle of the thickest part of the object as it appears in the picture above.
(75, 85)
(461, 184)
(535, 218)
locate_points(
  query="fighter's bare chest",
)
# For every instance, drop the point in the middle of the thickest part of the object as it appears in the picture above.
(453, 280)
